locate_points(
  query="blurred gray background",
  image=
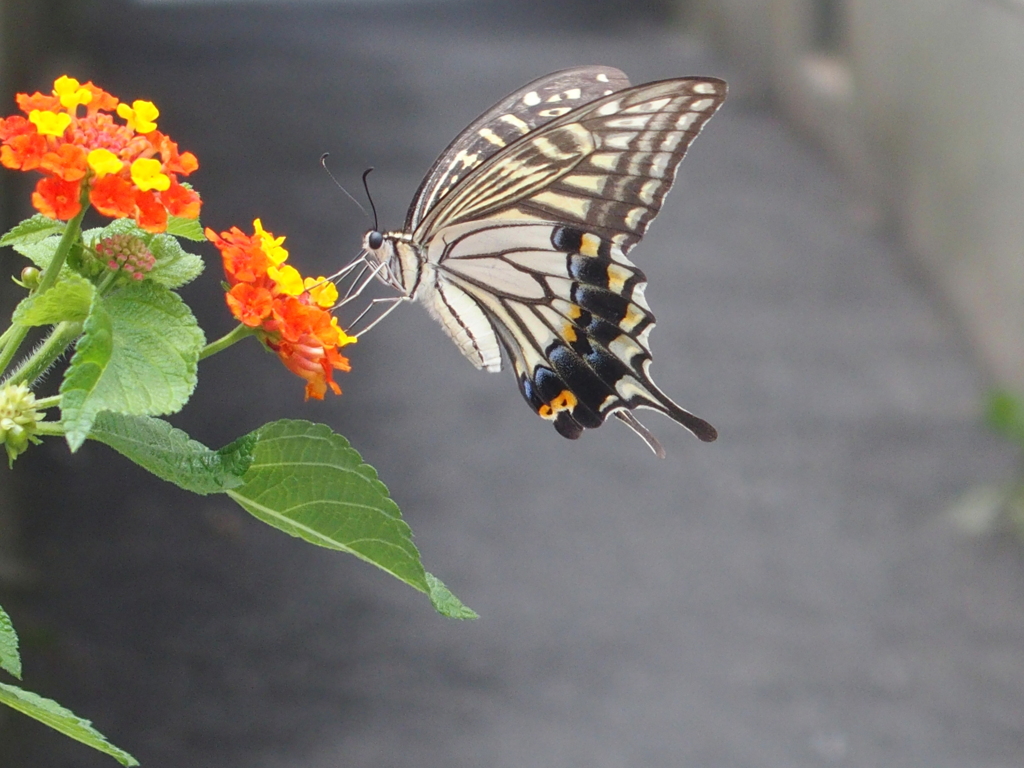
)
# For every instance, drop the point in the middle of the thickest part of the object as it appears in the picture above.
(836, 280)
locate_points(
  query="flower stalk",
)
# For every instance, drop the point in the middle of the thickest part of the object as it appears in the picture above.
(238, 333)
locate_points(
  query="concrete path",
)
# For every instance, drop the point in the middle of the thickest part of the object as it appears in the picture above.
(793, 595)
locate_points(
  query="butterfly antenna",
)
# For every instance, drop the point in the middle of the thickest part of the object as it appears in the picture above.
(369, 197)
(323, 162)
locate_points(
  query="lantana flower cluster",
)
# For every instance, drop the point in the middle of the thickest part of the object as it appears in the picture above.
(127, 170)
(290, 314)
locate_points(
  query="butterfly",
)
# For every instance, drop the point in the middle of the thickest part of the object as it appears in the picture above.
(519, 234)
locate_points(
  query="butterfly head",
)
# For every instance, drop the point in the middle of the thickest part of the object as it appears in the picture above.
(395, 258)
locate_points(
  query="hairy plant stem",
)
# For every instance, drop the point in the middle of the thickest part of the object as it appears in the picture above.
(17, 333)
(56, 343)
(43, 403)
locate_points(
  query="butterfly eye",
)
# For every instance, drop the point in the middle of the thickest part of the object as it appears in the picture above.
(375, 240)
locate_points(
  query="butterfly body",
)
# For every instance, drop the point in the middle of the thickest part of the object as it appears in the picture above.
(518, 239)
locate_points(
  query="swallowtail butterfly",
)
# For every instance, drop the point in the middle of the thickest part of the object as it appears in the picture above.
(519, 237)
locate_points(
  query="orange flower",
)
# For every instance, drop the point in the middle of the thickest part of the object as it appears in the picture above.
(244, 260)
(150, 212)
(249, 303)
(288, 319)
(128, 170)
(181, 201)
(57, 198)
(113, 196)
(67, 162)
(314, 362)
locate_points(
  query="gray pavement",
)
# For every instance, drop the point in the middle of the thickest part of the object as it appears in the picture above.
(792, 595)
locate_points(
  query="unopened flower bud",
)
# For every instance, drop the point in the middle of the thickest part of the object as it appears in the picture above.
(30, 277)
(126, 253)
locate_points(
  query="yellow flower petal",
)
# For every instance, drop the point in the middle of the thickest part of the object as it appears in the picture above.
(65, 84)
(148, 174)
(103, 161)
(141, 115)
(146, 114)
(70, 92)
(343, 338)
(270, 245)
(288, 279)
(49, 123)
(322, 291)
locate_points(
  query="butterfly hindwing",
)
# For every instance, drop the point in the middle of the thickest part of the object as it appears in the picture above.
(573, 321)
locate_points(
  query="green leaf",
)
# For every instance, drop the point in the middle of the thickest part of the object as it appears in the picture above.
(138, 356)
(69, 299)
(174, 266)
(1004, 412)
(10, 661)
(39, 252)
(79, 399)
(309, 482)
(32, 230)
(116, 227)
(446, 603)
(190, 229)
(172, 455)
(67, 722)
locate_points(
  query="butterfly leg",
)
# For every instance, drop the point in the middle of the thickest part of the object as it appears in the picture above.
(394, 301)
(361, 281)
(359, 262)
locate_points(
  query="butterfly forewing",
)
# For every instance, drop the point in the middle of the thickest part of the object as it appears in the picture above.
(522, 111)
(606, 165)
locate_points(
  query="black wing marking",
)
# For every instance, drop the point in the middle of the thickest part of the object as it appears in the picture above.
(535, 104)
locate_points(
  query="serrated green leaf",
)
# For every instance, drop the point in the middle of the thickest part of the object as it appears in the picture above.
(10, 660)
(60, 719)
(69, 299)
(39, 252)
(93, 352)
(309, 482)
(445, 602)
(138, 356)
(171, 455)
(116, 227)
(32, 230)
(190, 229)
(175, 267)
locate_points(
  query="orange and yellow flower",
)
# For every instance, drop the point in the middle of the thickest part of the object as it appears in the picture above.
(291, 315)
(128, 170)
